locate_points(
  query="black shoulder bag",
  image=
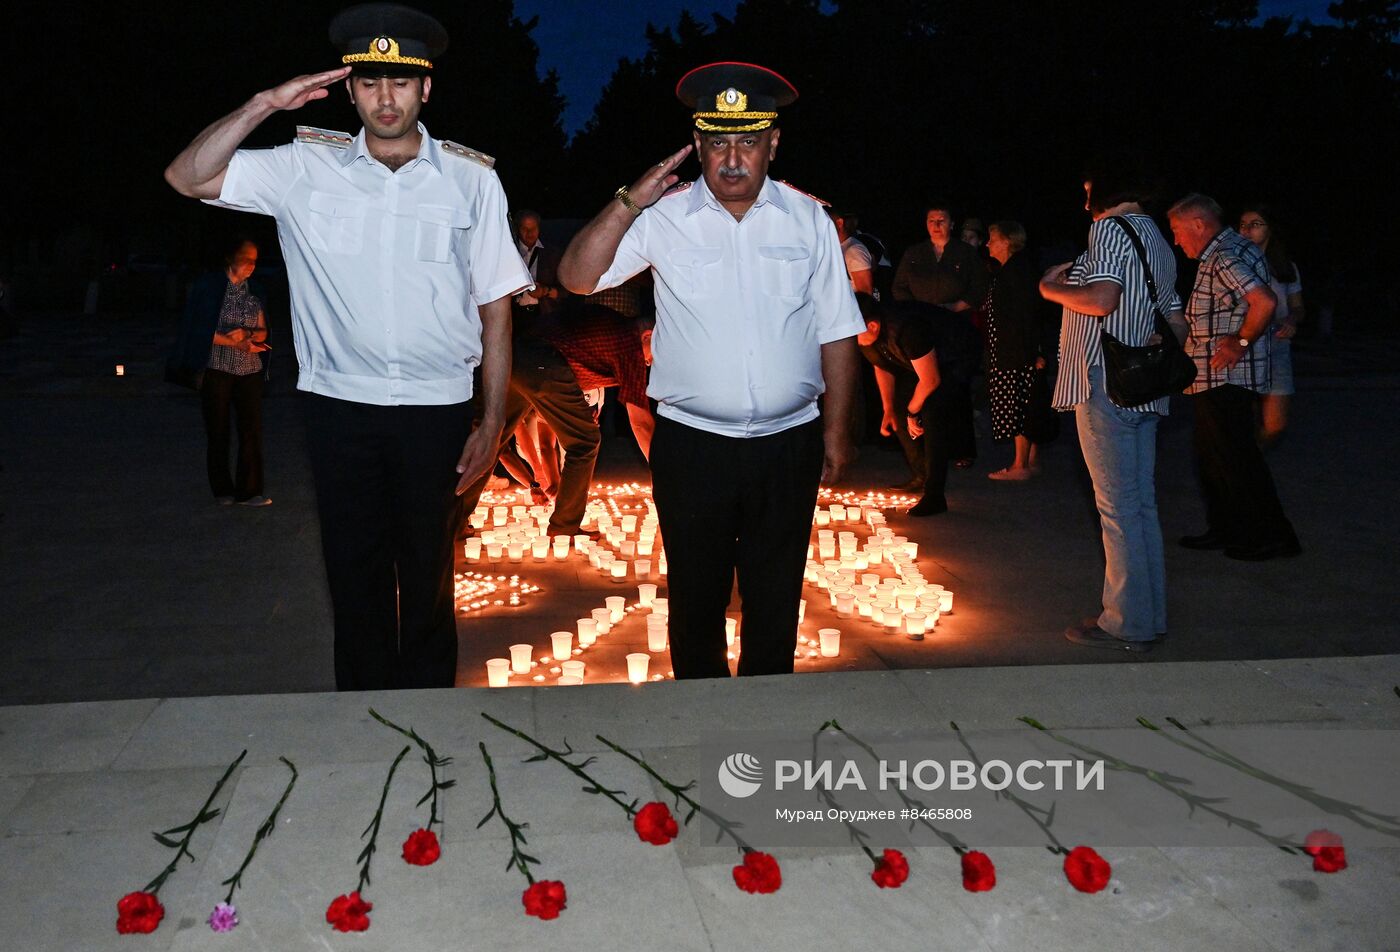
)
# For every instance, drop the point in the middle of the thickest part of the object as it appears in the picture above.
(1134, 376)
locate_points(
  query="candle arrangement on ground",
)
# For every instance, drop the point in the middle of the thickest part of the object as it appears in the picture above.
(868, 575)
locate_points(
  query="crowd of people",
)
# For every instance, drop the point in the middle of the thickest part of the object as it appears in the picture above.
(437, 337)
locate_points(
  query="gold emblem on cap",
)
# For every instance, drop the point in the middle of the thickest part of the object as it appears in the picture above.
(385, 49)
(731, 100)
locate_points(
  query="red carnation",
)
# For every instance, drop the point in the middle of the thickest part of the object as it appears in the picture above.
(759, 873)
(421, 848)
(139, 912)
(979, 874)
(1086, 870)
(544, 899)
(1325, 847)
(891, 871)
(349, 913)
(655, 825)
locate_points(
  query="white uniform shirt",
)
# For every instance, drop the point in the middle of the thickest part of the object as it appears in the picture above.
(386, 269)
(742, 307)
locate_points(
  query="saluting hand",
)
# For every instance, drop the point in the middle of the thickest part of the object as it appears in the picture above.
(295, 93)
(657, 179)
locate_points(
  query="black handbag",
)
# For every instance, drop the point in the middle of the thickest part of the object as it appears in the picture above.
(1134, 376)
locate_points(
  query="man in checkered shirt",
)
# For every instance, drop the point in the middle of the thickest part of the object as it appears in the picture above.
(1229, 311)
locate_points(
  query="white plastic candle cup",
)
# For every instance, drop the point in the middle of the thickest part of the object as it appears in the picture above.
(637, 663)
(660, 606)
(864, 606)
(478, 517)
(646, 593)
(617, 606)
(602, 620)
(628, 549)
(540, 549)
(562, 642)
(520, 658)
(907, 601)
(644, 547)
(581, 541)
(472, 549)
(566, 680)
(826, 549)
(493, 551)
(572, 669)
(945, 602)
(629, 524)
(515, 551)
(498, 672)
(561, 549)
(830, 641)
(914, 624)
(838, 513)
(656, 635)
(619, 570)
(587, 632)
(853, 513)
(642, 567)
(801, 610)
(845, 602)
(661, 566)
(731, 628)
(498, 515)
(894, 618)
(823, 518)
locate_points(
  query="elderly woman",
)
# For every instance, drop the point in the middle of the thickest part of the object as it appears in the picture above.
(946, 272)
(222, 338)
(1013, 345)
(1257, 224)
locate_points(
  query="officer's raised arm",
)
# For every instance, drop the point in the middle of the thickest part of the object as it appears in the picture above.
(592, 251)
(198, 171)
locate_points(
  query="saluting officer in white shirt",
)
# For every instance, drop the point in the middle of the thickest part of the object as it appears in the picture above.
(402, 266)
(755, 319)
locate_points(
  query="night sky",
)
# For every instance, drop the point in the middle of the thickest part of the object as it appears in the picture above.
(613, 29)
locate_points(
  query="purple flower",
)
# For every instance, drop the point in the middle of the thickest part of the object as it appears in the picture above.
(223, 918)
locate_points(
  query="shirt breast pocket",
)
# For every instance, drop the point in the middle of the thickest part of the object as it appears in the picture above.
(699, 269)
(337, 223)
(441, 229)
(783, 270)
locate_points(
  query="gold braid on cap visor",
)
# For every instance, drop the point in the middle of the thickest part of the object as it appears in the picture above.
(765, 119)
(382, 49)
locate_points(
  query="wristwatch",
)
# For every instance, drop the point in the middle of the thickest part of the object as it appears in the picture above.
(1243, 342)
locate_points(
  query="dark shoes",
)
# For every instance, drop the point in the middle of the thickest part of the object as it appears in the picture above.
(915, 484)
(1262, 553)
(1206, 540)
(1092, 636)
(929, 507)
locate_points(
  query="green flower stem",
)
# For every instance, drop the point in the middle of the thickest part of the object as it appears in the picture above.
(1040, 817)
(578, 770)
(958, 845)
(1170, 784)
(1350, 811)
(518, 857)
(430, 758)
(264, 831)
(726, 828)
(182, 846)
(857, 835)
(372, 831)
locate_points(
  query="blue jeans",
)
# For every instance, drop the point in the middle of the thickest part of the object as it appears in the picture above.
(1120, 449)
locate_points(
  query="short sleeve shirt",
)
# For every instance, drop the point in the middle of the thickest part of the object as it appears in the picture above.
(386, 269)
(856, 255)
(742, 307)
(1231, 267)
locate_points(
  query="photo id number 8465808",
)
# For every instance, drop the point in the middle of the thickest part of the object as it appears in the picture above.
(936, 813)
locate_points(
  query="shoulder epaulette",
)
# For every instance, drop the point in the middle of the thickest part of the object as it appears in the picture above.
(457, 149)
(676, 189)
(820, 201)
(337, 140)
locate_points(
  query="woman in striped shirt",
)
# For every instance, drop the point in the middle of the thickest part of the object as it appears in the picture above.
(1105, 291)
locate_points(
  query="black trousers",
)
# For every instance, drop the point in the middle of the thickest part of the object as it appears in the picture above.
(730, 505)
(1242, 505)
(962, 435)
(221, 396)
(934, 448)
(541, 378)
(385, 480)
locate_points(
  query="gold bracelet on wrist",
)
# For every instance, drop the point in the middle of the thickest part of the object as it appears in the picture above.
(622, 196)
